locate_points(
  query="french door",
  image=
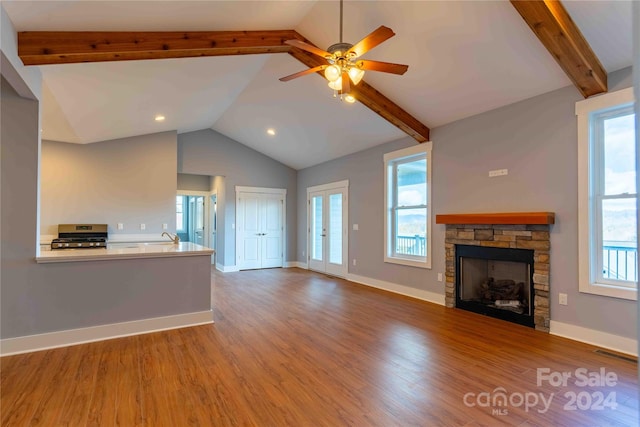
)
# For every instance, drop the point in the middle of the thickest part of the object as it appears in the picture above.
(328, 233)
(260, 230)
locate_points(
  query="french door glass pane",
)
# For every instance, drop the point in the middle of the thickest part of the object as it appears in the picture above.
(411, 231)
(619, 239)
(619, 155)
(412, 183)
(316, 228)
(335, 228)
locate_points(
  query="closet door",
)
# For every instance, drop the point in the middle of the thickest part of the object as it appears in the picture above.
(249, 232)
(271, 245)
(260, 230)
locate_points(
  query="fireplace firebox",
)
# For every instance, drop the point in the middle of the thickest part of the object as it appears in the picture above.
(497, 282)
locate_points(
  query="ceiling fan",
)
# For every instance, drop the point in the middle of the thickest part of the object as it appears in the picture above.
(344, 65)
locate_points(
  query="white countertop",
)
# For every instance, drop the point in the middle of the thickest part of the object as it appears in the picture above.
(124, 251)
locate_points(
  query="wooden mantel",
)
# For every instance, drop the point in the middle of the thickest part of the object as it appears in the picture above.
(498, 218)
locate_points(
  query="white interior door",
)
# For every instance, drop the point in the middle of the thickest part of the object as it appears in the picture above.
(213, 225)
(249, 232)
(328, 231)
(317, 231)
(271, 225)
(260, 230)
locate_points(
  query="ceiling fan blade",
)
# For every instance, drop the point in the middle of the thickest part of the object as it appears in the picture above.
(309, 48)
(385, 67)
(372, 40)
(346, 84)
(303, 73)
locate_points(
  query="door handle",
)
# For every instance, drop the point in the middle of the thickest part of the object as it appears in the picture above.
(323, 235)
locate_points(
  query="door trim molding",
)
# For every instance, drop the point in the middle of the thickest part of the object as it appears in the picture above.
(243, 189)
(260, 190)
(329, 186)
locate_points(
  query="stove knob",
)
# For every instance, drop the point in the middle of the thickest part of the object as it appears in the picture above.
(90, 244)
(98, 244)
(79, 244)
(66, 244)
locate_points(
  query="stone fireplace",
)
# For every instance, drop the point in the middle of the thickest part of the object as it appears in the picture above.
(512, 286)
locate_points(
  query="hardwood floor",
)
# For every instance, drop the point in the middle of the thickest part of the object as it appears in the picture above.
(295, 348)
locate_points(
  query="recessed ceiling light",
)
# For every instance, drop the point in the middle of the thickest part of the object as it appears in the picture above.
(159, 118)
(271, 131)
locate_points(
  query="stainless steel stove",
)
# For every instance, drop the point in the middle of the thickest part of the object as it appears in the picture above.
(80, 236)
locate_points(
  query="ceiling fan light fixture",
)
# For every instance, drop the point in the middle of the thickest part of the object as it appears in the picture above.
(332, 73)
(356, 74)
(337, 84)
(350, 98)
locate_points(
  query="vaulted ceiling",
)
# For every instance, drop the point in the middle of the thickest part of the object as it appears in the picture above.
(464, 58)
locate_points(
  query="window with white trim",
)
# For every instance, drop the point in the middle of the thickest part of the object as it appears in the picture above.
(407, 237)
(181, 215)
(608, 247)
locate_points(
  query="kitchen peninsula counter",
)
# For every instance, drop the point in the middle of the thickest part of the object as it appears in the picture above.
(124, 251)
(126, 289)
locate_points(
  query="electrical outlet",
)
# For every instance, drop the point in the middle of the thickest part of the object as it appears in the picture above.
(355, 227)
(143, 227)
(165, 226)
(562, 299)
(439, 277)
(354, 261)
(120, 226)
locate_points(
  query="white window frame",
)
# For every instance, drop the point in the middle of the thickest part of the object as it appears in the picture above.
(180, 228)
(390, 159)
(588, 167)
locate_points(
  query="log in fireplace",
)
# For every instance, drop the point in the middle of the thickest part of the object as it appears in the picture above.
(496, 281)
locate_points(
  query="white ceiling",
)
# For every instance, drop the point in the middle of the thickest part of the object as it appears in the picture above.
(464, 58)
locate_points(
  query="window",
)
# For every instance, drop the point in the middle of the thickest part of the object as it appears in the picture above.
(408, 206)
(607, 195)
(180, 214)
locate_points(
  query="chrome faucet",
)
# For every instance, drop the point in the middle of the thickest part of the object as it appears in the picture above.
(175, 238)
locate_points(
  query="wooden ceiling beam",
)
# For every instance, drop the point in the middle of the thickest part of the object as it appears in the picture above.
(556, 30)
(67, 47)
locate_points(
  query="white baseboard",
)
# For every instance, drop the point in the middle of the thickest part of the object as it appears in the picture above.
(398, 289)
(69, 337)
(298, 264)
(227, 268)
(591, 336)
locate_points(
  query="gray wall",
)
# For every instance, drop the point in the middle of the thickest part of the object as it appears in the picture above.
(129, 180)
(536, 140)
(39, 298)
(207, 152)
(189, 182)
(19, 145)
